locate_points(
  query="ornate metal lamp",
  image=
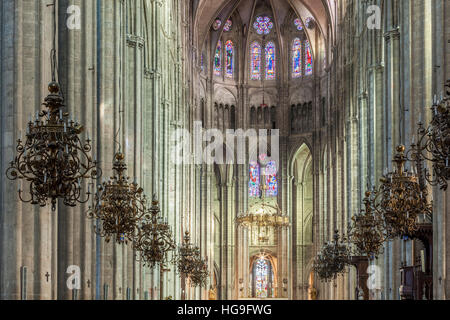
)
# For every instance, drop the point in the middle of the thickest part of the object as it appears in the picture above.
(190, 264)
(154, 239)
(332, 259)
(434, 142)
(262, 217)
(402, 200)
(53, 159)
(119, 205)
(367, 231)
(200, 274)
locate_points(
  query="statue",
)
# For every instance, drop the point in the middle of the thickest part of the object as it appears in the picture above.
(212, 293)
(360, 293)
(313, 293)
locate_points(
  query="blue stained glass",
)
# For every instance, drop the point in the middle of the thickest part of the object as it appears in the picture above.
(272, 181)
(255, 70)
(309, 59)
(218, 59)
(298, 23)
(229, 59)
(296, 58)
(270, 61)
(253, 184)
(262, 278)
(263, 25)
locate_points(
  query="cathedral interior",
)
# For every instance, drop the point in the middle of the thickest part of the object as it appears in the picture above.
(342, 194)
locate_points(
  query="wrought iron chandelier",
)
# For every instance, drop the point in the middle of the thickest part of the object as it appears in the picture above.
(119, 205)
(367, 230)
(53, 160)
(154, 239)
(190, 263)
(402, 199)
(200, 274)
(434, 142)
(332, 259)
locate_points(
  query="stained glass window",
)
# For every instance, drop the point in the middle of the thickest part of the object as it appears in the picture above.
(263, 25)
(202, 61)
(253, 184)
(308, 58)
(296, 58)
(270, 61)
(262, 278)
(272, 181)
(309, 23)
(218, 59)
(255, 70)
(228, 25)
(298, 23)
(217, 24)
(229, 59)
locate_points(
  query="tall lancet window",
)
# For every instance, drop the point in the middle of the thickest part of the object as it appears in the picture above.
(262, 278)
(270, 61)
(255, 67)
(229, 49)
(218, 59)
(296, 58)
(308, 58)
(271, 179)
(266, 170)
(253, 184)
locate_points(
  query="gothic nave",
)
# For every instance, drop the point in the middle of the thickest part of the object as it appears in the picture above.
(155, 97)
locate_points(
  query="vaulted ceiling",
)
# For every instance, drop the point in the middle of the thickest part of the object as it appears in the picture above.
(208, 10)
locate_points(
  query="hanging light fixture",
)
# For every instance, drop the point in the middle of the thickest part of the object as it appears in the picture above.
(402, 199)
(119, 205)
(434, 142)
(262, 217)
(200, 274)
(332, 259)
(367, 231)
(53, 160)
(154, 238)
(190, 263)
